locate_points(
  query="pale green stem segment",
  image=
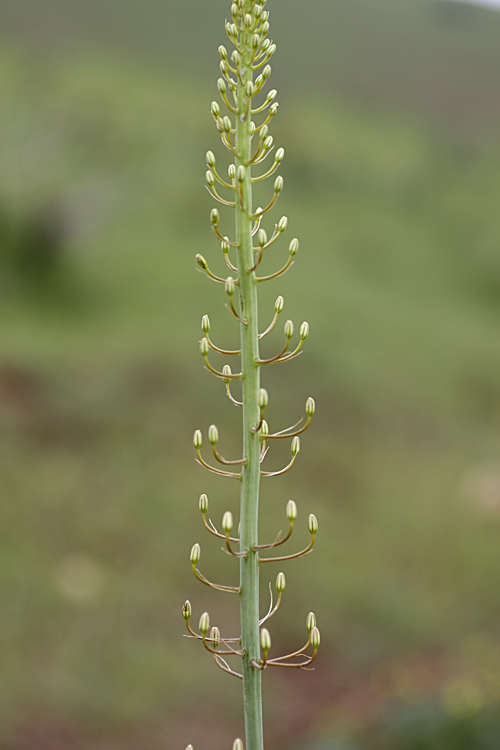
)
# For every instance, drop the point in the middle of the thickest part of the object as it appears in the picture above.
(249, 512)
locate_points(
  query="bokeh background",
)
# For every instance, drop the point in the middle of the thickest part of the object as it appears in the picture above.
(390, 114)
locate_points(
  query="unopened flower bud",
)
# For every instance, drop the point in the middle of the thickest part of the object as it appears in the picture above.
(215, 637)
(204, 347)
(264, 132)
(234, 31)
(273, 109)
(231, 170)
(205, 324)
(310, 407)
(223, 67)
(278, 184)
(221, 85)
(267, 71)
(210, 157)
(210, 179)
(282, 224)
(255, 41)
(271, 95)
(257, 11)
(229, 286)
(265, 27)
(204, 624)
(280, 583)
(304, 331)
(195, 554)
(310, 621)
(315, 638)
(241, 173)
(262, 398)
(265, 15)
(271, 51)
(203, 504)
(279, 304)
(279, 155)
(238, 745)
(201, 261)
(235, 57)
(223, 52)
(293, 247)
(265, 640)
(214, 217)
(227, 522)
(250, 89)
(197, 439)
(248, 19)
(215, 109)
(234, 10)
(262, 237)
(312, 524)
(189, 747)
(213, 435)
(259, 82)
(226, 370)
(291, 510)
(288, 329)
(186, 610)
(259, 211)
(264, 428)
(265, 45)
(226, 124)
(225, 247)
(295, 448)
(268, 143)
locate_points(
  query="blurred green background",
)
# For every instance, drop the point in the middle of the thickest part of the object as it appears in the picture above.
(389, 115)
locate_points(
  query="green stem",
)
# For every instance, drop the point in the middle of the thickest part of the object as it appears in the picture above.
(249, 513)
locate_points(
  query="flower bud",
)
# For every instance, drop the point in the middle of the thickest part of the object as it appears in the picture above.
(267, 70)
(310, 407)
(234, 30)
(203, 504)
(204, 347)
(205, 324)
(265, 27)
(315, 638)
(228, 28)
(295, 448)
(223, 52)
(280, 583)
(264, 131)
(225, 247)
(197, 439)
(262, 398)
(226, 370)
(293, 247)
(304, 331)
(227, 522)
(312, 524)
(215, 109)
(214, 217)
(259, 211)
(264, 428)
(265, 45)
(268, 142)
(210, 179)
(190, 747)
(279, 304)
(235, 57)
(229, 286)
(204, 624)
(213, 435)
(195, 554)
(186, 610)
(262, 237)
(265, 15)
(282, 224)
(255, 41)
(241, 173)
(273, 108)
(201, 261)
(271, 51)
(291, 510)
(231, 170)
(278, 184)
(234, 10)
(271, 95)
(221, 85)
(223, 67)
(238, 745)
(310, 621)
(215, 637)
(250, 89)
(226, 124)
(248, 19)
(257, 11)
(258, 82)
(288, 329)
(265, 640)
(210, 158)
(279, 155)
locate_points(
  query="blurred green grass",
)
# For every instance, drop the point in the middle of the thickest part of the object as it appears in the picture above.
(101, 386)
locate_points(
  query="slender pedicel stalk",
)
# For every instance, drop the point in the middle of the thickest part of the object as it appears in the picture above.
(244, 75)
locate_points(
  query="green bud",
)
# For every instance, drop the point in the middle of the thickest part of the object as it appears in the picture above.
(205, 324)
(310, 621)
(304, 331)
(265, 15)
(235, 57)
(257, 11)
(226, 124)
(250, 89)
(264, 131)
(195, 554)
(288, 329)
(248, 19)
(227, 522)
(282, 224)
(231, 170)
(234, 10)
(241, 173)
(264, 428)
(210, 178)
(310, 406)
(204, 347)
(197, 439)
(186, 610)
(291, 511)
(228, 28)
(268, 143)
(262, 237)
(210, 157)
(264, 27)
(214, 217)
(262, 398)
(315, 638)
(280, 583)
(265, 640)
(279, 304)
(258, 82)
(271, 50)
(312, 524)
(221, 85)
(213, 435)
(279, 155)
(273, 109)
(258, 211)
(215, 637)
(203, 504)
(234, 31)
(229, 286)
(293, 248)
(225, 247)
(238, 745)
(215, 110)
(223, 52)
(204, 624)
(278, 184)
(295, 448)
(201, 261)
(226, 370)
(267, 71)
(255, 41)
(265, 45)
(190, 747)
(271, 95)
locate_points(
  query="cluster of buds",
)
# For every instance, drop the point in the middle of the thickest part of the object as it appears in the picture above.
(244, 74)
